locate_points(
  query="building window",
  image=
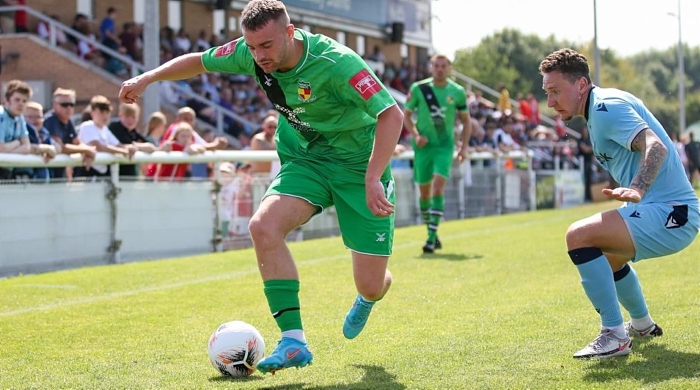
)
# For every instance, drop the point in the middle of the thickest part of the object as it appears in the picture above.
(218, 21)
(360, 49)
(85, 7)
(340, 37)
(174, 14)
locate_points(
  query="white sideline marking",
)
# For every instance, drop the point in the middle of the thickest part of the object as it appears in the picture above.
(121, 294)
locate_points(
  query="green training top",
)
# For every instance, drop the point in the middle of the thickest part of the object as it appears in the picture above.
(433, 121)
(328, 103)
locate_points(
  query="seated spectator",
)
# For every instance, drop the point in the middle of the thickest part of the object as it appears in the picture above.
(58, 123)
(43, 29)
(202, 44)
(39, 139)
(14, 137)
(180, 140)
(96, 133)
(130, 41)
(503, 139)
(125, 131)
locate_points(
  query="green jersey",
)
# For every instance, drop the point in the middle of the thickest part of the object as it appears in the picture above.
(436, 109)
(328, 103)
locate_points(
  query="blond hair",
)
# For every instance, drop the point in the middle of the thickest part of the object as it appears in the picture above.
(64, 92)
(35, 106)
(129, 109)
(154, 120)
(180, 127)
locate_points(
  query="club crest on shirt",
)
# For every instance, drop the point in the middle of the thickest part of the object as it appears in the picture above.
(304, 91)
(450, 100)
(226, 49)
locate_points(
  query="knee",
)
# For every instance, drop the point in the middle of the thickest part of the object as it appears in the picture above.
(261, 229)
(574, 237)
(375, 291)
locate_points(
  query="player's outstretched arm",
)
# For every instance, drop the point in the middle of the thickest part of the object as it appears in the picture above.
(179, 68)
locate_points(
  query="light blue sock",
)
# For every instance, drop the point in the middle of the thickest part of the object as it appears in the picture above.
(629, 292)
(599, 285)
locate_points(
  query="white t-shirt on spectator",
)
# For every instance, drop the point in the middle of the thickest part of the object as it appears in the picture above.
(89, 132)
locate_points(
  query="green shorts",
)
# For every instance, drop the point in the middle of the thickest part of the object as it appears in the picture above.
(325, 185)
(428, 162)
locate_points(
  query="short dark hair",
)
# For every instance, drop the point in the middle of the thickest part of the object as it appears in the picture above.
(572, 64)
(258, 13)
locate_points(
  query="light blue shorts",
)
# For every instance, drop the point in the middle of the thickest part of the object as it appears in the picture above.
(660, 229)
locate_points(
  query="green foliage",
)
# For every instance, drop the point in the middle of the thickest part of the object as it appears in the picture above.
(501, 307)
(513, 58)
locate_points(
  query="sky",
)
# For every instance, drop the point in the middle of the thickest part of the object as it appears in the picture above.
(625, 26)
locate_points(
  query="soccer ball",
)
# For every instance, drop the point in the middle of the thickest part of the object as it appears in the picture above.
(235, 348)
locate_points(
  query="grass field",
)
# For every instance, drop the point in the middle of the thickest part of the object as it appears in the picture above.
(501, 307)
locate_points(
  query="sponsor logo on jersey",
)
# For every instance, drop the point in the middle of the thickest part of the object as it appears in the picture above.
(450, 100)
(304, 90)
(226, 49)
(365, 84)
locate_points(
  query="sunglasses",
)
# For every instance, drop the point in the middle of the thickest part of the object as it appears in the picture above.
(67, 104)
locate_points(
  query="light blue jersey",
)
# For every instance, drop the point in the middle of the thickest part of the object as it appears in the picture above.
(615, 117)
(668, 216)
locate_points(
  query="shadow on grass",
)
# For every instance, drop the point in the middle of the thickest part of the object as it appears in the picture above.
(375, 377)
(659, 365)
(449, 256)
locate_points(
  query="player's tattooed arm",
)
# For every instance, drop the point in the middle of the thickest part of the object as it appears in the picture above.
(653, 154)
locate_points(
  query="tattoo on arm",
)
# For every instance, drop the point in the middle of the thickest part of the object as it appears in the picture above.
(653, 154)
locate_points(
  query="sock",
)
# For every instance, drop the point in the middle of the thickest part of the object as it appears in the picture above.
(424, 205)
(618, 330)
(365, 300)
(629, 293)
(283, 298)
(296, 334)
(436, 211)
(598, 283)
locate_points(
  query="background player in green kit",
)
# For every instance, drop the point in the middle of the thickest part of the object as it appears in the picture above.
(436, 101)
(337, 131)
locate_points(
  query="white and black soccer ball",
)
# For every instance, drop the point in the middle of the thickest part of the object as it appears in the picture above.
(235, 348)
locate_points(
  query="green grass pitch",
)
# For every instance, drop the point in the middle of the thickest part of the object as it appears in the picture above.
(500, 307)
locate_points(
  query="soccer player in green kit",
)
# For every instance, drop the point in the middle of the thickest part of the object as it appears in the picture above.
(436, 101)
(336, 134)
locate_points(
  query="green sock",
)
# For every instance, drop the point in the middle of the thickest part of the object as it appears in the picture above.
(436, 211)
(283, 299)
(424, 205)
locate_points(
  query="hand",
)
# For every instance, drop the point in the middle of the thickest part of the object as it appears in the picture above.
(167, 146)
(131, 149)
(376, 199)
(132, 89)
(463, 154)
(624, 194)
(421, 141)
(221, 142)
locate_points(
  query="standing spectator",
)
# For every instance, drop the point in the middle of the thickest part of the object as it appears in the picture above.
(21, 18)
(125, 131)
(692, 150)
(265, 140)
(335, 151)
(585, 150)
(108, 32)
(14, 137)
(560, 127)
(535, 118)
(680, 149)
(660, 214)
(155, 128)
(96, 133)
(60, 126)
(180, 140)
(39, 138)
(7, 19)
(437, 101)
(503, 99)
(130, 41)
(525, 110)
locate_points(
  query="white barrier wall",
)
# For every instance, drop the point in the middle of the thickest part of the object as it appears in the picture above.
(63, 225)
